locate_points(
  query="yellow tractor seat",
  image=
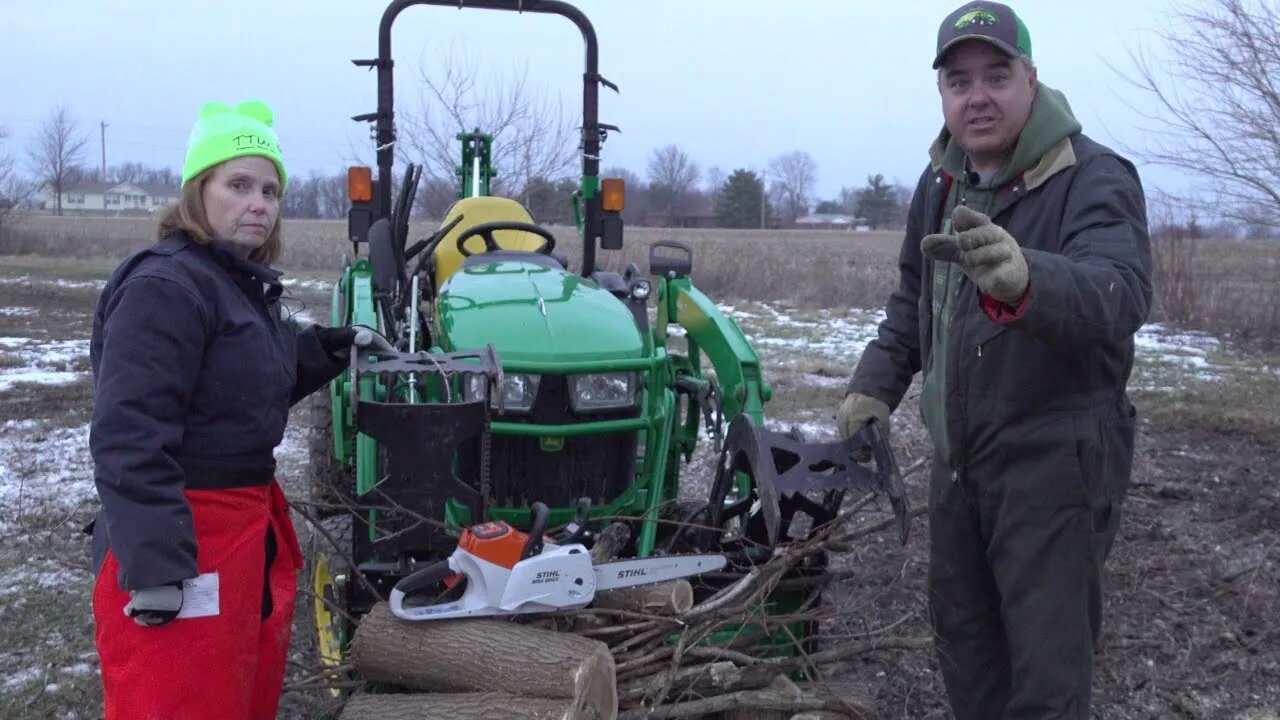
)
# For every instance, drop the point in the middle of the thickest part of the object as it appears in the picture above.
(476, 211)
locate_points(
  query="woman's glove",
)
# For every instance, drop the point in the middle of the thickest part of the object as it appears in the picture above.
(154, 606)
(337, 341)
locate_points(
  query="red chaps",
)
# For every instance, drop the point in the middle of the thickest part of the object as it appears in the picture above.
(228, 662)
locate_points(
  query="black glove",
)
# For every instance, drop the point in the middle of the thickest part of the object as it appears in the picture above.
(336, 341)
(155, 605)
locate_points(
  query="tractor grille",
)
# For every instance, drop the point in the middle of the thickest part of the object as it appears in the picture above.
(600, 467)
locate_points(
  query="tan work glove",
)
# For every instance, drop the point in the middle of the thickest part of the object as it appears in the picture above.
(986, 252)
(856, 411)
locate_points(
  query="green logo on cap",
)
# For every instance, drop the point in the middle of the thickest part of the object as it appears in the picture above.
(977, 16)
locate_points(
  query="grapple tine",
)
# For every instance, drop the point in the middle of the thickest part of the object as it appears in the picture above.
(783, 466)
(888, 474)
(743, 451)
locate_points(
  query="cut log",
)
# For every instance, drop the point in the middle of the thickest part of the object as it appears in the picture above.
(674, 597)
(485, 655)
(610, 541)
(456, 706)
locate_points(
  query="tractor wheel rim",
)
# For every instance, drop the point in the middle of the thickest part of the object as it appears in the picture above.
(328, 632)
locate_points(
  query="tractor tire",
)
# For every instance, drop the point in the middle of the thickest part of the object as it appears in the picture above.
(331, 486)
(329, 568)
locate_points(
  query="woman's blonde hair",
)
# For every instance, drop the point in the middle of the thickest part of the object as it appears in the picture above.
(188, 215)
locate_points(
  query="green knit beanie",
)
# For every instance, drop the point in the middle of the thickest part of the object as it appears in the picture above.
(223, 132)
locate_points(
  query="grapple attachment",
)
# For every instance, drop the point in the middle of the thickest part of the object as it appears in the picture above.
(791, 476)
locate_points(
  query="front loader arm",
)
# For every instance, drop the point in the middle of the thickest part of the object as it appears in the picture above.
(353, 304)
(712, 333)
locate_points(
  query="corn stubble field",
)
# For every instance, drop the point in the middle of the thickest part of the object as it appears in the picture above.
(1193, 586)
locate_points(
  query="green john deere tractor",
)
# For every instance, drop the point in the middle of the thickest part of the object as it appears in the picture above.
(516, 379)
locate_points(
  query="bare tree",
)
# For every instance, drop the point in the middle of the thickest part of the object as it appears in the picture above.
(59, 148)
(794, 175)
(1218, 103)
(435, 196)
(673, 176)
(714, 182)
(12, 188)
(315, 196)
(137, 173)
(331, 194)
(130, 172)
(532, 134)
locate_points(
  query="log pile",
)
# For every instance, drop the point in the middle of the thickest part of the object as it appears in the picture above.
(645, 652)
(490, 662)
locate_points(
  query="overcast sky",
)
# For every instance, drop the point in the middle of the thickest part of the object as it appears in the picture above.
(733, 82)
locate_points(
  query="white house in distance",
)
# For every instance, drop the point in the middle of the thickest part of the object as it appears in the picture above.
(109, 197)
(832, 221)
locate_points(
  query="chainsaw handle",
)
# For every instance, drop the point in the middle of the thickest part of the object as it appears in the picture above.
(537, 527)
(425, 579)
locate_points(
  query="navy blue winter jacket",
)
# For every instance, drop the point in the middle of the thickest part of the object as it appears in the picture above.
(195, 370)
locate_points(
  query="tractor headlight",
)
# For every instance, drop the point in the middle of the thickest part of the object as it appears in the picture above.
(518, 390)
(603, 391)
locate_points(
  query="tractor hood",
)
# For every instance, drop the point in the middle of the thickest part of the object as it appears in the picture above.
(531, 312)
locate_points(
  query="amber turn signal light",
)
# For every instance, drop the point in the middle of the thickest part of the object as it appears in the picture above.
(359, 184)
(613, 194)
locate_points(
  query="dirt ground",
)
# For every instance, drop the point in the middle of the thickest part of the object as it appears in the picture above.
(1192, 617)
(1191, 625)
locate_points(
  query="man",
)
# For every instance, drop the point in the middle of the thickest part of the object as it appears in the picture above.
(1025, 272)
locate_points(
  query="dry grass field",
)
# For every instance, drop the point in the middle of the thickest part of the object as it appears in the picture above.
(814, 267)
(1192, 616)
(1227, 287)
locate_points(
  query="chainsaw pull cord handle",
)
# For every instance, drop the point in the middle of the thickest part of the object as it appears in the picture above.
(537, 527)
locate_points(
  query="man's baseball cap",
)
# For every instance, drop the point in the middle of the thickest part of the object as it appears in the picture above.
(993, 22)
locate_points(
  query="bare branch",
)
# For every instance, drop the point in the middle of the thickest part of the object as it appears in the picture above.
(533, 137)
(1217, 104)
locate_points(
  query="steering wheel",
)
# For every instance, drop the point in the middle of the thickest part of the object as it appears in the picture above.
(486, 231)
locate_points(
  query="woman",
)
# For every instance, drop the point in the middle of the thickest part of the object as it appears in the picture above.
(195, 371)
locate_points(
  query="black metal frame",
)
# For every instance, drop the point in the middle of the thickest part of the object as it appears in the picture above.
(787, 470)
(592, 131)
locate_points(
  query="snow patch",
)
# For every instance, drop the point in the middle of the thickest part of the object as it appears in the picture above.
(43, 471)
(317, 285)
(45, 362)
